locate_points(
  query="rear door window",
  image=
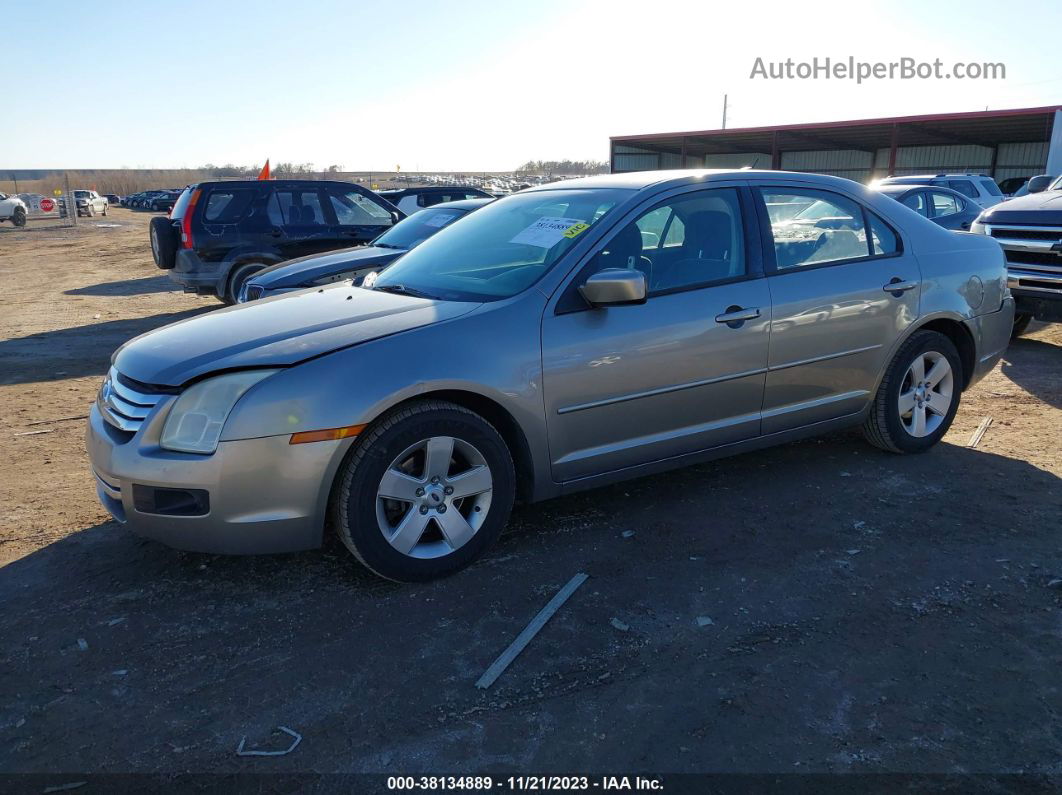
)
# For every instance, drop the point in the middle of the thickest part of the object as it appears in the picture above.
(963, 186)
(944, 204)
(353, 208)
(831, 228)
(990, 187)
(297, 207)
(917, 202)
(224, 206)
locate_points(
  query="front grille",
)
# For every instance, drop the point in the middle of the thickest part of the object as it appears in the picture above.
(1030, 250)
(1036, 260)
(122, 406)
(1054, 234)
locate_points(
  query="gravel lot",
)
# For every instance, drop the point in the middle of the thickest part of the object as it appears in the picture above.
(819, 607)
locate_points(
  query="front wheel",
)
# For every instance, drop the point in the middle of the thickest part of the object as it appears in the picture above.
(918, 397)
(424, 492)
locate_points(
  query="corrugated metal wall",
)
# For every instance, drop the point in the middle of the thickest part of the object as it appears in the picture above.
(850, 163)
(1012, 160)
(738, 160)
(1021, 160)
(936, 159)
(633, 158)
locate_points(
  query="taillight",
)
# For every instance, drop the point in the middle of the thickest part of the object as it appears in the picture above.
(186, 221)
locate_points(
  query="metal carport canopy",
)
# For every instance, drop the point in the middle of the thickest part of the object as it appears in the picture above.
(982, 128)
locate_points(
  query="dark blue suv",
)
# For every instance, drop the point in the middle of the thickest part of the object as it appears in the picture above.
(219, 234)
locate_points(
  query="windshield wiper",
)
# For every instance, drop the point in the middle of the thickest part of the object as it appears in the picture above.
(385, 245)
(401, 289)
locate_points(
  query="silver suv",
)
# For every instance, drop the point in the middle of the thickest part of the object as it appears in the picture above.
(982, 189)
(564, 337)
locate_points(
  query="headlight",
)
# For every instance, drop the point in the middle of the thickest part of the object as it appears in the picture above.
(977, 227)
(195, 422)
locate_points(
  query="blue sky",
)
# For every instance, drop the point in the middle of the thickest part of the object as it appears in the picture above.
(469, 85)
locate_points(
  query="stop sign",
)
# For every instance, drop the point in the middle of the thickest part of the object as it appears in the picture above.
(47, 205)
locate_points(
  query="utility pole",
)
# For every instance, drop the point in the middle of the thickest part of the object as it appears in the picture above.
(724, 111)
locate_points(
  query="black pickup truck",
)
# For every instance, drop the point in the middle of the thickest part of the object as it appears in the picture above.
(1029, 229)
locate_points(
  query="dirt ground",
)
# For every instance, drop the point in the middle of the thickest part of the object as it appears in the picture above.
(819, 607)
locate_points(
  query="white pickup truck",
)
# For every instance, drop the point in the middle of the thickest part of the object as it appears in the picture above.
(12, 209)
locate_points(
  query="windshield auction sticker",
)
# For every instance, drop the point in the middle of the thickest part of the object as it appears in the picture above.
(440, 220)
(547, 232)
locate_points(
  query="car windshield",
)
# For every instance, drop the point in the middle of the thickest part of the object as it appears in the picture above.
(502, 249)
(1056, 185)
(81, 194)
(418, 228)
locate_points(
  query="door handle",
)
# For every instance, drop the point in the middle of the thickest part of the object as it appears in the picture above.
(276, 231)
(898, 287)
(734, 316)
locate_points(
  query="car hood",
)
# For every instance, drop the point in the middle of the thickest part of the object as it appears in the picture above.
(275, 332)
(297, 272)
(1036, 208)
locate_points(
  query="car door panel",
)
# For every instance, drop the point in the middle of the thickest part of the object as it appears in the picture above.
(831, 330)
(627, 385)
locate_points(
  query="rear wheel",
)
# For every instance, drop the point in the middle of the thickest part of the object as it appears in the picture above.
(163, 242)
(918, 397)
(18, 217)
(425, 492)
(1021, 324)
(238, 278)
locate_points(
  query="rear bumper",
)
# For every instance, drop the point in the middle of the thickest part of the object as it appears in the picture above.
(197, 276)
(254, 496)
(991, 333)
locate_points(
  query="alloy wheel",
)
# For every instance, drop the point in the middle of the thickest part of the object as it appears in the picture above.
(434, 497)
(926, 394)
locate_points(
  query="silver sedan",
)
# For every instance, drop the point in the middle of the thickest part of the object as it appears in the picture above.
(565, 337)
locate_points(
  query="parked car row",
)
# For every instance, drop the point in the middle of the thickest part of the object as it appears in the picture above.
(560, 338)
(158, 201)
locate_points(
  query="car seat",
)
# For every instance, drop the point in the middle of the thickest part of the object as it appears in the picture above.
(625, 251)
(705, 252)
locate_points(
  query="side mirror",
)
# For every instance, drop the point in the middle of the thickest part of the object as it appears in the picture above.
(615, 287)
(1038, 185)
(396, 216)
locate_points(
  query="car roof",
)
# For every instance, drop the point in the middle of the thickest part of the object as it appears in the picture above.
(427, 189)
(637, 180)
(461, 204)
(918, 178)
(904, 187)
(252, 182)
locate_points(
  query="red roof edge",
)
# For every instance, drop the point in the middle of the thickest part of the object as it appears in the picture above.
(972, 115)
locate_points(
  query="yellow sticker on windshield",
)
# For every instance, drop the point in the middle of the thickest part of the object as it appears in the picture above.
(575, 229)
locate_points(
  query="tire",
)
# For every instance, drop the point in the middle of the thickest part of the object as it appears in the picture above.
(163, 242)
(89, 212)
(105, 210)
(886, 427)
(18, 217)
(1021, 325)
(474, 521)
(239, 275)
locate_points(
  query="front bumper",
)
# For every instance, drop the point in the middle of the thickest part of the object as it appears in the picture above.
(1036, 293)
(262, 495)
(991, 333)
